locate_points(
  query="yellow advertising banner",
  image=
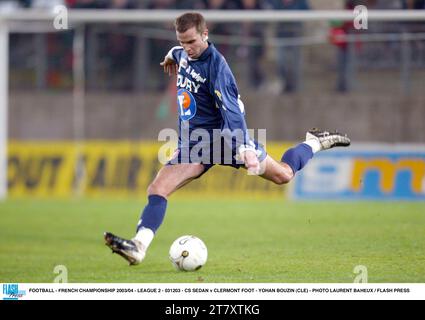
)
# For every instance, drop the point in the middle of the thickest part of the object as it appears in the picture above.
(50, 169)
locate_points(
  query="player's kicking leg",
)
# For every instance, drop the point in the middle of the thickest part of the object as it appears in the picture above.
(296, 158)
(169, 179)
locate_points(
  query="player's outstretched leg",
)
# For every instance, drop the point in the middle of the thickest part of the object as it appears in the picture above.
(316, 140)
(134, 250)
(294, 159)
(169, 179)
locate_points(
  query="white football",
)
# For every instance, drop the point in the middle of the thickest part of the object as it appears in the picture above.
(188, 253)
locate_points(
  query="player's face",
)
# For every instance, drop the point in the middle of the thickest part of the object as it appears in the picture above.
(193, 42)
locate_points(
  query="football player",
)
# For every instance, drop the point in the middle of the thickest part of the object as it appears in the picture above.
(208, 100)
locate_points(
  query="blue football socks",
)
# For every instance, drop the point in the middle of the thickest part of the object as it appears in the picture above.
(154, 213)
(298, 156)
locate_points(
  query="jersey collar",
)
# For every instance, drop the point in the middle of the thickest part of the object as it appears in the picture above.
(207, 52)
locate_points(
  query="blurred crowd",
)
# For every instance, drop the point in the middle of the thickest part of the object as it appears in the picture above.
(116, 53)
(203, 4)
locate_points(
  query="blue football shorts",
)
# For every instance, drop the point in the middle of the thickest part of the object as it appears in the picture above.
(213, 154)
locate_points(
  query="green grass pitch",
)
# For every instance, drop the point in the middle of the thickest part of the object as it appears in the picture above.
(248, 241)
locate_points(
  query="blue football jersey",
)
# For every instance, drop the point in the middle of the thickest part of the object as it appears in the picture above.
(207, 94)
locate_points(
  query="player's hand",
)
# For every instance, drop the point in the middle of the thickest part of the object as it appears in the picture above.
(169, 66)
(249, 157)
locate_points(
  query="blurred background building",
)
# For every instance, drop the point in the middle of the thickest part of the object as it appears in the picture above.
(291, 75)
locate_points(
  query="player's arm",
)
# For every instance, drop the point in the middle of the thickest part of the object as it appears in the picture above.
(170, 62)
(232, 111)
